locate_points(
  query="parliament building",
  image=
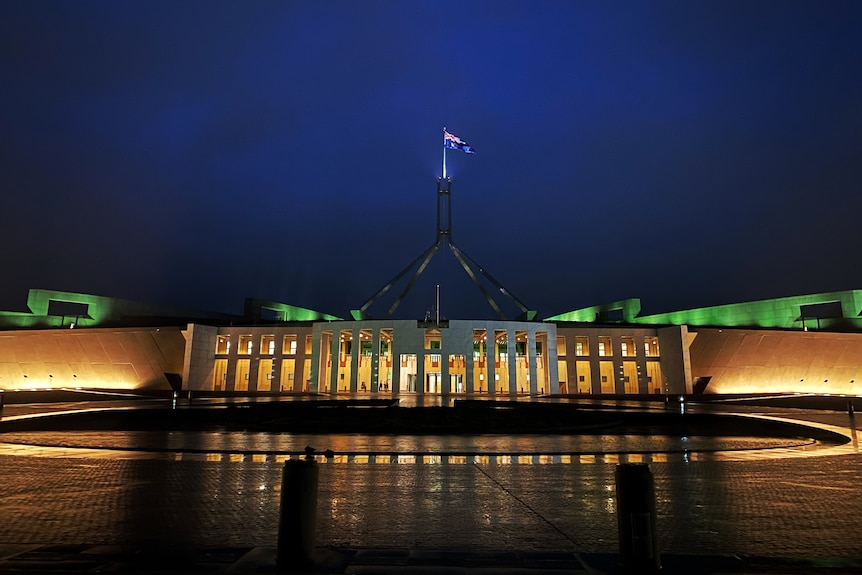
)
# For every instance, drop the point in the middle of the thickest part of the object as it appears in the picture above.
(803, 344)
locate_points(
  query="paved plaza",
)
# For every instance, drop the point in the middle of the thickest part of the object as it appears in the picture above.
(790, 507)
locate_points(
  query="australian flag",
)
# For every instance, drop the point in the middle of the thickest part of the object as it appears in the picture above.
(453, 142)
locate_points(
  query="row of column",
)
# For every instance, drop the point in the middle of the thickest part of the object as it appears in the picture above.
(411, 341)
(277, 357)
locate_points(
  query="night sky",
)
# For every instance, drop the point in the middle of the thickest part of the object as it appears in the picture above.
(196, 153)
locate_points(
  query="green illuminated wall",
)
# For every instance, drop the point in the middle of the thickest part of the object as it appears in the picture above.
(629, 308)
(771, 313)
(102, 311)
(284, 312)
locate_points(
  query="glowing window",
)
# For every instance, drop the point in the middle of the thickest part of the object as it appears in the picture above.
(582, 346)
(245, 345)
(267, 344)
(605, 346)
(223, 344)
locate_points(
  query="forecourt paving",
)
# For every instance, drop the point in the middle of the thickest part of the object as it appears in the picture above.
(529, 517)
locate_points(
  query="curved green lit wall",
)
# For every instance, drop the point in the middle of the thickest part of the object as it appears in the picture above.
(784, 313)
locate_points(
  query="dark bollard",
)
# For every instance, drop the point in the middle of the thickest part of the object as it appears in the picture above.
(636, 519)
(849, 406)
(297, 519)
(2, 397)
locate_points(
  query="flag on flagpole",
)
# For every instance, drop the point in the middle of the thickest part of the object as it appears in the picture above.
(453, 142)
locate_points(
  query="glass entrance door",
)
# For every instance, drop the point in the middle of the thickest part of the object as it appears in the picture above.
(432, 382)
(456, 382)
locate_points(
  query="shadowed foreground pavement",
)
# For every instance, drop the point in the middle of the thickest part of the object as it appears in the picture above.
(790, 508)
(786, 515)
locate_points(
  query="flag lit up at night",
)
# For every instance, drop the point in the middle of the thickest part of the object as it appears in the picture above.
(453, 142)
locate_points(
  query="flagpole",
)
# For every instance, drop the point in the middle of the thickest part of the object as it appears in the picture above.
(438, 305)
(444, 152)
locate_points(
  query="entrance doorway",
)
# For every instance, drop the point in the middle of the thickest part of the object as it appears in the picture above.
(432, 382)
(456, 382)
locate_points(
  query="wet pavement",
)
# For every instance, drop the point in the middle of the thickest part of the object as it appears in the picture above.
(86, 512)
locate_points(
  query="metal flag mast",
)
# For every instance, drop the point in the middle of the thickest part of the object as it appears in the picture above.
(444, 233)
(444, 152)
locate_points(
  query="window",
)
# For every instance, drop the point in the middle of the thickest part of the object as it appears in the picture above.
(627, 346)
(267, 344)
(223, 344)
(245, 343)
(520, 344)
(289, 346)
(480, 344)
(582, 346)
(478, 350)
(345, 342)
(651, 346)
(385, 342)
(366, 346)
(605, 346)
(432, 338)
(501, 341)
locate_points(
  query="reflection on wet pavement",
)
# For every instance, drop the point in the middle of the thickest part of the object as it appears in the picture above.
(363, 449)
(524, 449)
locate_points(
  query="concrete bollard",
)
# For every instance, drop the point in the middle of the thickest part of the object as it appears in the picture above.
(297, 519)
(636, 522)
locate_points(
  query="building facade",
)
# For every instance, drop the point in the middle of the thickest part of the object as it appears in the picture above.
(294, 350)
(377, 356)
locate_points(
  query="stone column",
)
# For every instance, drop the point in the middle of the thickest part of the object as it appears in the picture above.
(513, 361)
(334, 351)
(356, 339)
(232, 357)
(595, 371)
(491, 356)
(374, 384)
(532, 358)
(277, 361)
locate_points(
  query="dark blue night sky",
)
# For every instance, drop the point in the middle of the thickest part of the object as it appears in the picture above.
(196, 153)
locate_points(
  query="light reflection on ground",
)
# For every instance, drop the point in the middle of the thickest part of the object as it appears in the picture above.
(526, 449)
(258, 442)
(408, 449)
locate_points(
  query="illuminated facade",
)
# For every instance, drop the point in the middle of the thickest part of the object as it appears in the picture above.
(380, 356)
(809, 344)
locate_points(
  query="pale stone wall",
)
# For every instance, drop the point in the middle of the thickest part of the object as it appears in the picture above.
(765, 361)
(200, 351)
(672, 358)
(104, 358)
